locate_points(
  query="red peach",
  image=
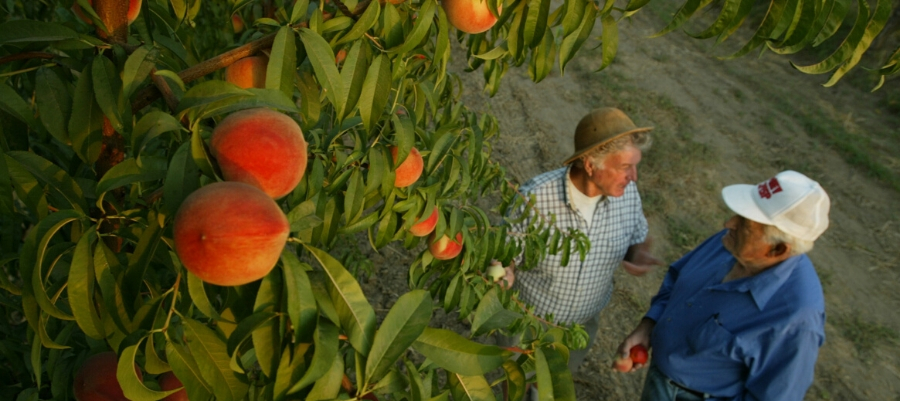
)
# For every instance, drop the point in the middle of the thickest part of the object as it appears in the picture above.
(469, 16)
(237, 23)
(229, 233)
(410, 170)
(248, 72)
(425, 226)
(261, 147)
(134, 8)
(638, 354)
(624, 364)
(444, 248)
(168, 381)
(96, 379)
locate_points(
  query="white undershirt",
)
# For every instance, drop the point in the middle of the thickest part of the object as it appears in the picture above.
(586, 205)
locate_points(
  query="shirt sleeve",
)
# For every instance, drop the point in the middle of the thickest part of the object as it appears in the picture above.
(642, 229)
(783, 370)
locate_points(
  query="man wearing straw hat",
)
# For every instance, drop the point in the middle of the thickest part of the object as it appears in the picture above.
(595, 192)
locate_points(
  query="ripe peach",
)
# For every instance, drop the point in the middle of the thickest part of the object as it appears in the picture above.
(638, 354)
(96, 379)
(410, 170)
(340, 56)
(624, 364)
(261, 147)
(426, 226)
(134, 8)
(229, 233)
(168, 381)
(444, 248)
(248, 72)
(469, 16)
(238, 24)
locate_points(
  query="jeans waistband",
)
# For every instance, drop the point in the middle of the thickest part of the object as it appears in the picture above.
(688, 390)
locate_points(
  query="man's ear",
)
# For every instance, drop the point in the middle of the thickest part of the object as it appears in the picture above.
(588, 167)
(780, 250)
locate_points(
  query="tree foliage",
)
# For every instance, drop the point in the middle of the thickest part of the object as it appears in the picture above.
(106, 129)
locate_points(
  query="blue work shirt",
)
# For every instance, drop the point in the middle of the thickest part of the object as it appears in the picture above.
(754, 338)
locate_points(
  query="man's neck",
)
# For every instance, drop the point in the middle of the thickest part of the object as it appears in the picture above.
(583, 182)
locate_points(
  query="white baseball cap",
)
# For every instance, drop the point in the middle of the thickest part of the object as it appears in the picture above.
(790, 201)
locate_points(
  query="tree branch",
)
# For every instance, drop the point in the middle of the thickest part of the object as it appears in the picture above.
(26, 56)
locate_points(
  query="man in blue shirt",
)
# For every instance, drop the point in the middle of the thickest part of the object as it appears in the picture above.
(742, 316)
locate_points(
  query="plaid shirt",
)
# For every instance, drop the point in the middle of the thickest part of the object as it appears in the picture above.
(577, 292)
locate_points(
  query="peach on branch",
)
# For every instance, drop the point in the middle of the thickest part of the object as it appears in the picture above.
(425, 226)
(168, 381)
(238, 24)
(261, 147)
(410, 170)
(444, 248)
(469, 16)
(229, 233)
(134, 8)
(248, 72)
(96, 379)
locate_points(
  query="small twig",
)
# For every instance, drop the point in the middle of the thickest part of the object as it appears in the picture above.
(166, 91)
(26, 56)
(341, 6)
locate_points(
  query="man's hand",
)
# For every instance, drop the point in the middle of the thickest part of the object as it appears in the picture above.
(640, 335)
(638, 260)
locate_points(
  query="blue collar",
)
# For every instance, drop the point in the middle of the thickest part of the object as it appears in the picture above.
(765, 284)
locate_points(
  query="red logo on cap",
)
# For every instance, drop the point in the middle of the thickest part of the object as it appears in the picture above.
(766, 189)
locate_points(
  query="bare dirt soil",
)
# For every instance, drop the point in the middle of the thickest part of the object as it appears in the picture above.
(718, 123)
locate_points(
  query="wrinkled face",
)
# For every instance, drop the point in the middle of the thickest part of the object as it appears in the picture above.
(619, 169)
(746, 240)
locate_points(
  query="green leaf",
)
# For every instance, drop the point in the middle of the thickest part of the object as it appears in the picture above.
(81, 288)
(303, 216)
(356, 314)
(845, 51)
(107, 87)
(267, 337)
(610, 40)
(553, 375)
(491, 315)
(137, 68)
(86, 124)
(182, 178)
(765, 30)
(150, 126)
(200, 154)
(354, 74)
(375, 92)
(404, 323)
(322, 59)
(128, 171)
(574, 12)
(209, 92)
(457, 354)
(471, 388)
(283, 62)
(836, 15)
(208, 350)
(310, 104)
(198, 294)
(363, 24)
(573, 41)
(495, 53)
(878, 20)
(12, 103)
(329, 385)
(536, 22)
(63, 186)
(58, 220)
(326, 351)
(132, 387)
(421, 27)
(681, 16)
(54, 103)
(729, 11)
(28, 31)
(188, 372)
(301, 303)
(515, 379)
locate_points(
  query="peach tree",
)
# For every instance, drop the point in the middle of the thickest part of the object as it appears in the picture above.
(154, 209)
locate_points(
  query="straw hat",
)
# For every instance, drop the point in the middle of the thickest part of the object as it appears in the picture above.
(600, 127)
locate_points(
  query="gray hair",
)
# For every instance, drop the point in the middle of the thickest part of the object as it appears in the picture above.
(640, 140)
(775, 236)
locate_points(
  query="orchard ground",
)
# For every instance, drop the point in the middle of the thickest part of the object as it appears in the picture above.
(718, 123)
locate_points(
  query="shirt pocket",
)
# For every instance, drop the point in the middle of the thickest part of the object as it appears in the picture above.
(710, 338)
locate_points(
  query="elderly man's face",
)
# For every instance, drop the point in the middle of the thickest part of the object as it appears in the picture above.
(619, 169)
(746, 240)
